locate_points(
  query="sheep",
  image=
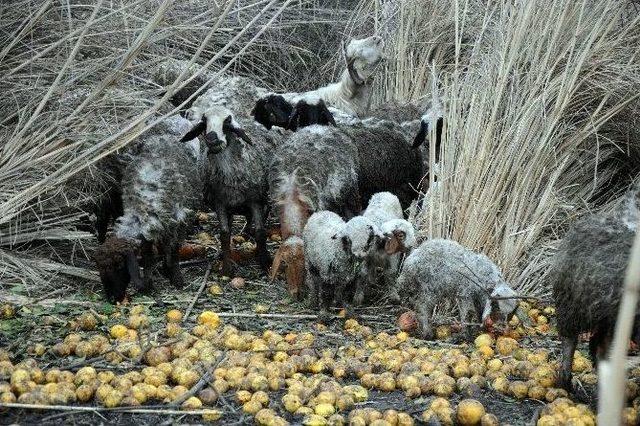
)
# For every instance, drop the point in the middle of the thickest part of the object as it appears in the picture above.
(587, 279)
(314, 169)
(387, 160)
(441, 270)
(239, 94)
(333, 250)
(163, 182)
(350, 94)
(239, 151)
(398, 236)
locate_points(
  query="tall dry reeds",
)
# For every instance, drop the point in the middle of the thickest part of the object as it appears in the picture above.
(75, 79)
(541, 102)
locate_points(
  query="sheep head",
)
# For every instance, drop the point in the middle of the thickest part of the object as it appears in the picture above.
(272, 110)
(290, 255)
(398, 236)
(308, 113)
(216, 126)
(117, 264)
(359, 236)
(498, 305)
(362, 57)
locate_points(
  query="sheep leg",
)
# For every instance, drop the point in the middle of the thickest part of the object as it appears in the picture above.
(342, 300)
(172, 261)
(568, 349)
(147, 265)
(599, 342)
(423, 314)
(311, 288)
(102, 223)
(365, 277)
(326, 297)
(225, 240)
(257, 218)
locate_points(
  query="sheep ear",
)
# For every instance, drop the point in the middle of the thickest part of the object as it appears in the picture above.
(275, 266)
(229, 126)
(391, 244)
(439, 126)
(197, 130)
(400, 235)
(422, 134)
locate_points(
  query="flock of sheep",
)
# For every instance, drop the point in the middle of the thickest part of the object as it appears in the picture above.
(340, 176)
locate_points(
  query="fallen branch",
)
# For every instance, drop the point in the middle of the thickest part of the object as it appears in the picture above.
(206, 378)
(197, 295)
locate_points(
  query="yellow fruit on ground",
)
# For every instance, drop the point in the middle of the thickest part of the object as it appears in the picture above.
(251, 407)
(291, 402)
(581, 364)
(469, 412)
(118, 331)
(113, 399)
(209, 318)
(489, 420)
(192, 403)
(324, 409)
(519, 389)
(439, 403)
(501, 384)
(173, 329)
(215, 290)
(211, 415)
(358, 393)
(506, 345)
(443, 332)
(483, 340)
(314, 420)
(404, 419)
(174, 315)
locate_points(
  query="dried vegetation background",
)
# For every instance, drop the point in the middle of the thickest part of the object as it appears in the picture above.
(541, 102)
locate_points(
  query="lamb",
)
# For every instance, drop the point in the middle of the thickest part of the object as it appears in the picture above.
(398, 236)
(314, 169)
(239, 151)
(163, 182)
(587, 279)
(351, 94)
(333, 250)
(441, 270)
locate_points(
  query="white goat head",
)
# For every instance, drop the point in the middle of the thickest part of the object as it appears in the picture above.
(359, 236)
(216, 125)
(362, 57)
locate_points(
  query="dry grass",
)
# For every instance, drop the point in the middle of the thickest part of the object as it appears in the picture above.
(76, 76)
(541, 100)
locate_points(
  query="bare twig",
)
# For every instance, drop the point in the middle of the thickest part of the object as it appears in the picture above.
(135, 410)
(197, 295)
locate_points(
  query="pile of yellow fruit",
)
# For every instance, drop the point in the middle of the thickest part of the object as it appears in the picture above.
(314, 386)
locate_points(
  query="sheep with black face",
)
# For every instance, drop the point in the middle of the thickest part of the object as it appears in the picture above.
(350, 94)
(239, 152)
(162, 185)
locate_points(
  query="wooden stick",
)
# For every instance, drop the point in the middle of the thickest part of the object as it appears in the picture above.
(197, 295)
(206, 377)
(612, 372)
(135, 410)
(285, 316)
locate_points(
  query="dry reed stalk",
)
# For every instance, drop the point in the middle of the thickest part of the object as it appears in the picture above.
(536, 94)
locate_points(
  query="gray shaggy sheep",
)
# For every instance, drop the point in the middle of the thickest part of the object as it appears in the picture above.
(163, 182)
(239, 153)
(397, 237)
(441, 270)
(314, 169)
(333, 252)
(588, 277)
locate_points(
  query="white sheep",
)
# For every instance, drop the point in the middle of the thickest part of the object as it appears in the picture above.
(333, 252)
(398, 237)
(350, 94)
(440, 270)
